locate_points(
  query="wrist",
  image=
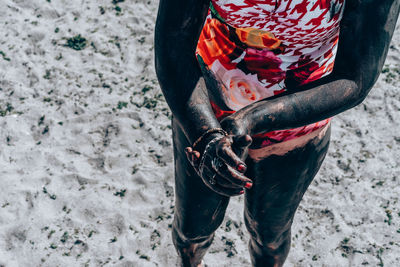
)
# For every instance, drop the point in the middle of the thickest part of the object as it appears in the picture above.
(200, 144)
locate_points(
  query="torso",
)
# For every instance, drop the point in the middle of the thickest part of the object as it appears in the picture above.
(301, 25)
(256, 49)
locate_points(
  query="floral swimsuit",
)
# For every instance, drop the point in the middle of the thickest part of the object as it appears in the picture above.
(256, 49)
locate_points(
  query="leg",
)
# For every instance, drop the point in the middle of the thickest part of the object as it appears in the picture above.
(198, 210)
(281, 177)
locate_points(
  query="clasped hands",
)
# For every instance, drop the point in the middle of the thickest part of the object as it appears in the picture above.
(219, 164)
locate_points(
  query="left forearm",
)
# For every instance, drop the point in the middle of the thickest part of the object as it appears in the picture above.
(296, 109)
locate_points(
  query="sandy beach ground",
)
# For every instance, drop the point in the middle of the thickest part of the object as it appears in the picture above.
(86, 159)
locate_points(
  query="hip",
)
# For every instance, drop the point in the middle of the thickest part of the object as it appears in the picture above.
(282, 148)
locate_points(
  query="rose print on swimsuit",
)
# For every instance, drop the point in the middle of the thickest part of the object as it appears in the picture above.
(240, 89)
(265, 64)
(260, 48)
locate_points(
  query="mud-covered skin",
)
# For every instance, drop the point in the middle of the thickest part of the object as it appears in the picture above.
(177, 30)
(361, 53)
(198, 210)
(362, 50)
(279, 184)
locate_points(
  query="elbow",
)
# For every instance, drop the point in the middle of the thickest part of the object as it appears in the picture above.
(160, 55)
(162, 63)
(359, 94)
(357, 101)
(158, 66)
(363, 85)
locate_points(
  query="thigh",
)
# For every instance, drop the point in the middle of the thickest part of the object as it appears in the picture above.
(281, 177)
(198, 210)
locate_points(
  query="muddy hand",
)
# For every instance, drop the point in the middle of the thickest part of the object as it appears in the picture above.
(221, 169)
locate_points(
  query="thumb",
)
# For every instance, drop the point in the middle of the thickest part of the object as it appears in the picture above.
(242, 141)
(240, 144)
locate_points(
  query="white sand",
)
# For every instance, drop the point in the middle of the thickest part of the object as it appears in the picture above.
(84, 126)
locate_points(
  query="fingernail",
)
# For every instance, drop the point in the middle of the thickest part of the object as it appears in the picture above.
(241, 168)
(241, 192)
(248, 185)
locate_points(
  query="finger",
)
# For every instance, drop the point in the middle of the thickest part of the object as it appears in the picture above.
(223, 182)
(196, 154)
(240, 146)
(209, 175)
(188, 152)
(195, 158)
(233, 176)
(231, 158)
(220, 185)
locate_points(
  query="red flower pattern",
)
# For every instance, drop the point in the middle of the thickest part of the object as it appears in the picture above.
(283, 44)
(302, 72)
(265, 64)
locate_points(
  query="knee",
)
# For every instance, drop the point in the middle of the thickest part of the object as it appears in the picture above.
(268, 236)
(271, 253)
(187, 243)
(192, 224)
(192, 231)
(273, 241)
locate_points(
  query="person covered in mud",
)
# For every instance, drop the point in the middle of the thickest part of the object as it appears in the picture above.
(252, 85)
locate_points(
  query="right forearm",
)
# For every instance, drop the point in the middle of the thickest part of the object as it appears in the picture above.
(191, 108)
(184, 89)
(177, 30)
